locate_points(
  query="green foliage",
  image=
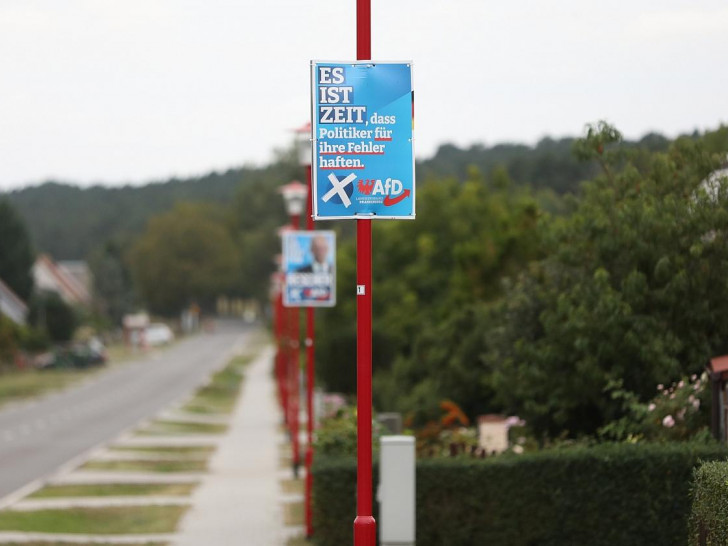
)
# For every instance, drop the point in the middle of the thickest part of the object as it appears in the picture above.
(113, 290)
(709, 516)
(51, 315)
(185, 256)
(16, 254)
(337, 435)
(632, 290)
(427, 274)
(614, 494)
(10, 334)
(68, 222)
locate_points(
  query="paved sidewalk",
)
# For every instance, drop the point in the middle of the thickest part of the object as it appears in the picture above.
(239, 501)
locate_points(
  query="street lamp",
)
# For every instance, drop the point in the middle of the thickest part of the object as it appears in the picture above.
(294, 194)
(304, 152)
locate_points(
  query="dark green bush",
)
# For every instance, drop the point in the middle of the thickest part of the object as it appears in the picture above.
(610, 495)
(709, 518)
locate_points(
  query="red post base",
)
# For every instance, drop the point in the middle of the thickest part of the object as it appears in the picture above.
(365, 531)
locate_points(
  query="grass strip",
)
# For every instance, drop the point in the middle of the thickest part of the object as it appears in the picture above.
(114, 490)
(162, 428)
(290, 487)
(293, 513)
(101, 521)
(300, 540)
(147, 466)
(18, 385)
(220, 394)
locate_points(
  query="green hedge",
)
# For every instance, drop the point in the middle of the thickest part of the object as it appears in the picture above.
(610, 495)
(709, 520)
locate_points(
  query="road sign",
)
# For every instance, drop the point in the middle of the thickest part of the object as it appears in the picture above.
(309, 265)
(363, 160)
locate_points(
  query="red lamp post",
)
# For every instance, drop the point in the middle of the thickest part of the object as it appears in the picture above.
(279, 332)
(303, 148)
(294, 194)
(365, 527)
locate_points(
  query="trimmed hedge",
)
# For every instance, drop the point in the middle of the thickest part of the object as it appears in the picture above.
(709, 519)
(610, 495)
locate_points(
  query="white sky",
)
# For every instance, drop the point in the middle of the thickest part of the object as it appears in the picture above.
(117, 91)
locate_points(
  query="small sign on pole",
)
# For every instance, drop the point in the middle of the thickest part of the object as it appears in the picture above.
(309, 266)
(363, 159)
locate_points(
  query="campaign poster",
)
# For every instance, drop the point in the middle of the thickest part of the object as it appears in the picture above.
(309, 266)
(363, 144)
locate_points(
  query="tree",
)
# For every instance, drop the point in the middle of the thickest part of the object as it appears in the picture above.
(429, 277)
(185, 256)
(632, 292)
(52, 316)
(16, 254)
(113, 288)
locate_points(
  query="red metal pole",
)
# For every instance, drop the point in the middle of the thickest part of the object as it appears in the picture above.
(365, 528)
(295, 371)
(310, 418)
(283, 360)
(278, 321)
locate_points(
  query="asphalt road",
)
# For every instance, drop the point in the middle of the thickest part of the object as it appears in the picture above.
(38, 437)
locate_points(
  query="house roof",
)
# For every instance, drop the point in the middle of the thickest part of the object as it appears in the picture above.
(51, 277)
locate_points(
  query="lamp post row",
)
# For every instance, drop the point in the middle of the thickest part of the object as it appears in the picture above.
(295, 195)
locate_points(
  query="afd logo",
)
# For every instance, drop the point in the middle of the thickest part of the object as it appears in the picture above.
(391, 189)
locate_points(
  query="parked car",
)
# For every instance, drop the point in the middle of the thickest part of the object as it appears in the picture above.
(77, 355)
(157, 334)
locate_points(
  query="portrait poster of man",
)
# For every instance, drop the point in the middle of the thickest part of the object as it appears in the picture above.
(309, 265)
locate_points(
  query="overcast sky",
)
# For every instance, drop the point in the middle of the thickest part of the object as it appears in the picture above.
(129, 91)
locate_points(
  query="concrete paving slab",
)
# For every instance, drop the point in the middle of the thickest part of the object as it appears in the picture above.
(146, 456)
(239, 502)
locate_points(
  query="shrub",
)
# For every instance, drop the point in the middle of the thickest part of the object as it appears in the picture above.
(610, 495)
(709, 518)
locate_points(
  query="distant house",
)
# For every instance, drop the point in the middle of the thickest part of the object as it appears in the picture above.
(11, 305)
(52, 277)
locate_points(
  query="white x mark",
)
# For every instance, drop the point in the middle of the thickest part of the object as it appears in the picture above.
(338, 187)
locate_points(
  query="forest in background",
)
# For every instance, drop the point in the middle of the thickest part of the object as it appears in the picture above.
(69, 222)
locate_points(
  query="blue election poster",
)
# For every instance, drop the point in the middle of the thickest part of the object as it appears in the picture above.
(309, 268)
(363, 160)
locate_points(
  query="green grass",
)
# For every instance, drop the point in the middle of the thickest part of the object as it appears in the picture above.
(101, 521)
(292, 486)
(114, 490)
(147, 466)
(201, 451)
(300, 540)
(163, 428)
(293, 513)
(220, 394)
(22, 384)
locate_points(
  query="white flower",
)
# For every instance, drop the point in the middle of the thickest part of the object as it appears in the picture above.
(668, 421)
(517, 450)
(651, 407)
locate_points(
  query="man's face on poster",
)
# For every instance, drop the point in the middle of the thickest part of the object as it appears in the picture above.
(320, 249)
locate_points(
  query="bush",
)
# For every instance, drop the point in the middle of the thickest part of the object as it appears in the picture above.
(610, 495)
(709, 518)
